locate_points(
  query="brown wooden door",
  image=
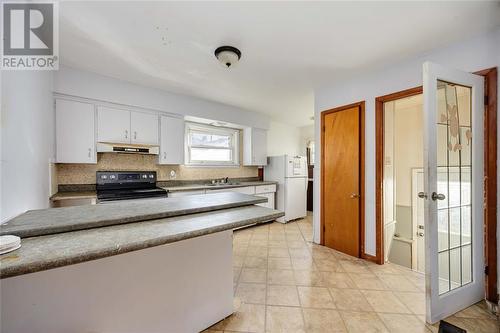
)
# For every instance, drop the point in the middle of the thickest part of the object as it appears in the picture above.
(341, 177)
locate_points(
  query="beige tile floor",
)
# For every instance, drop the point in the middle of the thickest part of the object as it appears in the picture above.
(285, 283)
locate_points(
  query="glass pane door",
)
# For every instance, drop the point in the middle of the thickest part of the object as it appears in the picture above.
(453, 186)
(454, 169)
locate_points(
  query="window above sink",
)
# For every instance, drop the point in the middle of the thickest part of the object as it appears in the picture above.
(208, 145)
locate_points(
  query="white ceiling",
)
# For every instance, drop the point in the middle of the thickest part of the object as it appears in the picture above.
(288, 48)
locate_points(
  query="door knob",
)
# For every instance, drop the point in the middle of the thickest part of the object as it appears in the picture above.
(422, 195)
(420, 234)
(437, 196)
(354, 195)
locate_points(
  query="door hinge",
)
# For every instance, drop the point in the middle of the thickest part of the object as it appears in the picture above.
(486, 270)
(486, 100)
(323, 129)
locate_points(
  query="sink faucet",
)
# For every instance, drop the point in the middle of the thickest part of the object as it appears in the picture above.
(220, 181)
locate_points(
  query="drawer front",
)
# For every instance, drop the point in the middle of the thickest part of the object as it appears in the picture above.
(265, 188)
(245, 190)
(184, 193)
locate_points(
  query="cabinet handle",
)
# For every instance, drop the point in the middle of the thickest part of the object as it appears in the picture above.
(164, 155)
(135, 135)
(90, 152)
(126, 134)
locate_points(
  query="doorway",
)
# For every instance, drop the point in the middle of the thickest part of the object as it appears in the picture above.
(403, 213)
(342, 178)
(453, 178)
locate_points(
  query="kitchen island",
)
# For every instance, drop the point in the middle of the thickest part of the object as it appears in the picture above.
(167, 273)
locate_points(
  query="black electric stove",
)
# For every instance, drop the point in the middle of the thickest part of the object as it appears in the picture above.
(127, 185)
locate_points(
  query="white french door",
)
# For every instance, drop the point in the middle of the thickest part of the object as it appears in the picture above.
(453, 189)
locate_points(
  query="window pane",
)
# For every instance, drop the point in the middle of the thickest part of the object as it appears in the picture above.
(211, 155)
(466, 264)
(444, 272)
(455, 269)
(443, 229)
(207, 139)
(455, 225)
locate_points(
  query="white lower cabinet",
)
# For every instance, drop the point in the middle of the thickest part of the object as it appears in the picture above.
(267, 191)
(75, 132)
(265, 188)
(184, 193)
(270, 200)
(245, 190)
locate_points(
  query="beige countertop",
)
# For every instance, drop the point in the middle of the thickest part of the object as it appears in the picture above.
(206, 214)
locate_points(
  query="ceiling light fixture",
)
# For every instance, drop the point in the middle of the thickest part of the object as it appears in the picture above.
(227, 55)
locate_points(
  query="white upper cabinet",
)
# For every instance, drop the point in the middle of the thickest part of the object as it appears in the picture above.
(122, 126)
(144, 128)
(254, 146)
(75, 132)
(113, 125)
(171, 140)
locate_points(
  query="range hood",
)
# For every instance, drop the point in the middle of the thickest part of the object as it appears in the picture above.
(109, 147)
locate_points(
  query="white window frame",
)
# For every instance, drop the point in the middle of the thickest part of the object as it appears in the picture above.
(234, 135)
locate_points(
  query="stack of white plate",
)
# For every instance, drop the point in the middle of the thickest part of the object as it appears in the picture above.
(9, 243)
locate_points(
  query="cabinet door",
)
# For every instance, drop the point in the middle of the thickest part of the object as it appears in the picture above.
(144, 128)
(259, 147)
(113, 125)
(75, 132)
(172, 140)
(270, 200)
(254, 146)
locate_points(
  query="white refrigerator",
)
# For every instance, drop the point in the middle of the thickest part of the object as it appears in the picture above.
(291, 174)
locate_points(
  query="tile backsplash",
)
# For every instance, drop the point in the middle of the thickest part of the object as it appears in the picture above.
(85, 173)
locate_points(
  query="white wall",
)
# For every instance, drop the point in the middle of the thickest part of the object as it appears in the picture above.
(408, 149)
(283, 139)
(27, 137)
(86, 84)
(306, 135)
(471, 55)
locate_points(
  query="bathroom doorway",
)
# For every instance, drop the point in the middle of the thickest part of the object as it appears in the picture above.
(403, 178)
(490, 178)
